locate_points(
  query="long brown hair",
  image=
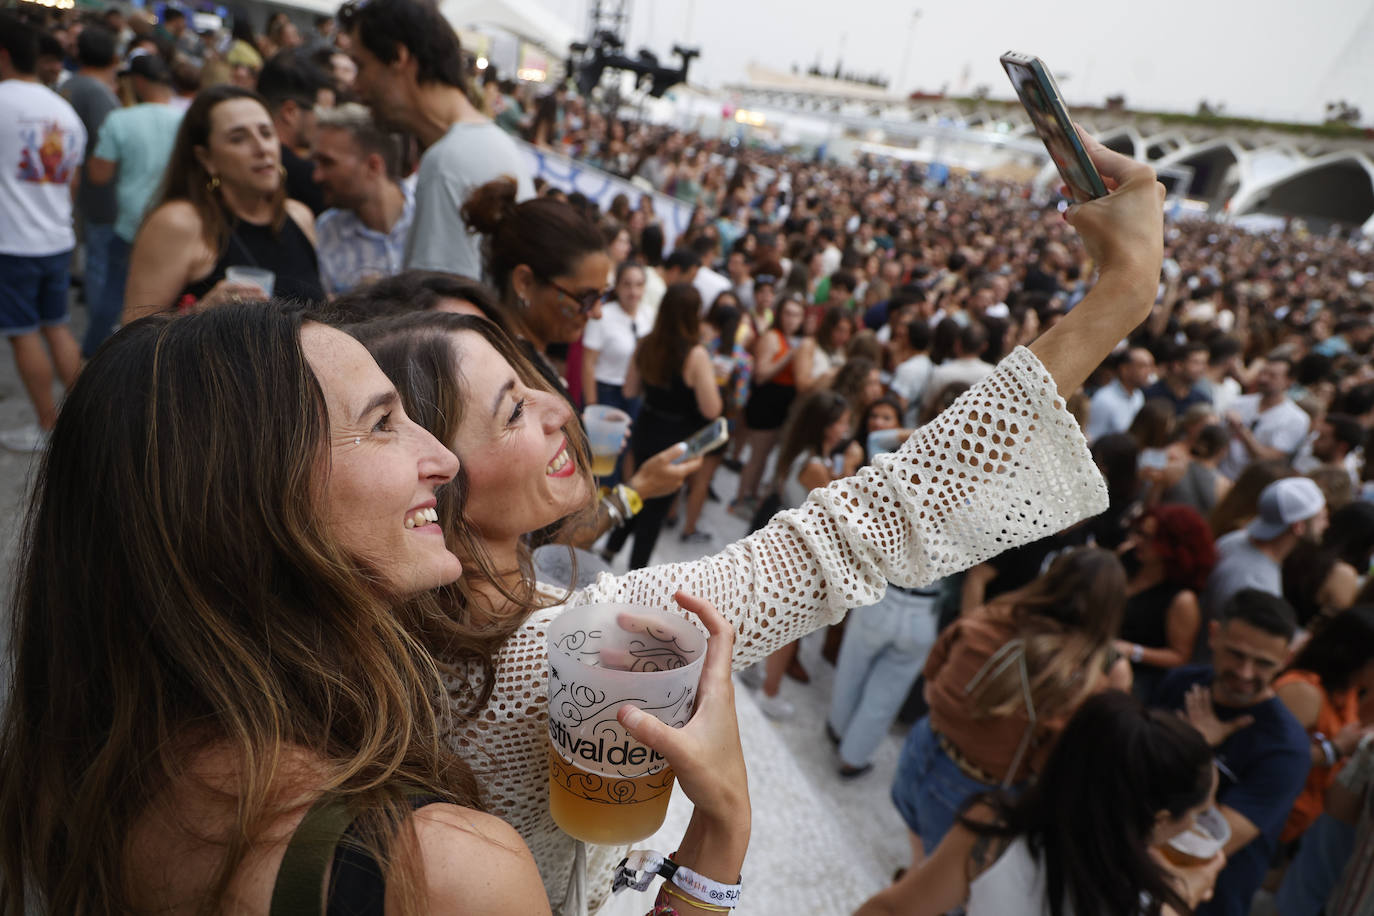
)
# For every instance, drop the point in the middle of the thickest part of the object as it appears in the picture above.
(176, 594)
(417, 353)
(186, 179)
(662, 354)
(1066, 620)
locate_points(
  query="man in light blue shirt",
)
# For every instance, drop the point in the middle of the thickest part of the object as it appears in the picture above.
(362, 236)
(132, 151)
(1116, 403)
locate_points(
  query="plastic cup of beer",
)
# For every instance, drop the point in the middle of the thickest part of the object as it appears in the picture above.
(605, 787)
(264, 280)
(1200, 843)
(606, 428)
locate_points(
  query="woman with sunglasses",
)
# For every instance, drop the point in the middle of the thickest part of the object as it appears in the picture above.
(549, 264)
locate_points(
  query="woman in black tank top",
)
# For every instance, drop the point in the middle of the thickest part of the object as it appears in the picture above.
(224, 195)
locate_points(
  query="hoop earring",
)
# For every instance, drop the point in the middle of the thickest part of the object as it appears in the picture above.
(213, 184)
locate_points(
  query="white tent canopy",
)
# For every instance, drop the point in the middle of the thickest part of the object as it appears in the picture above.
(527, 19)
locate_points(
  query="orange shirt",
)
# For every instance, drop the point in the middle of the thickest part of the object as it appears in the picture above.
(1337, 711)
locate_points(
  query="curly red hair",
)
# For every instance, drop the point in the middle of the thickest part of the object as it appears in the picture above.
(1184, 541)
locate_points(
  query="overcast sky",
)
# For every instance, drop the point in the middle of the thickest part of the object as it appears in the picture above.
(1267, 58)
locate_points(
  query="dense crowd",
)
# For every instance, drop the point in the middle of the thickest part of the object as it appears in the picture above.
(1082, 498)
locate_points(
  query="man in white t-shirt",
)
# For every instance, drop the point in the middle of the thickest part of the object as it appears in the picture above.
(410, 73)
(1115, 404)
(967, 367)
(911, 378)
(1266, 424)
(42, 144)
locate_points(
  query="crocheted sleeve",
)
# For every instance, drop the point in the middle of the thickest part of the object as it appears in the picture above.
(1005, 465)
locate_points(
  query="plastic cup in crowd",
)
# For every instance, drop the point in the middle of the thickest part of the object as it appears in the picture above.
(606, 428)
(1200, 843)
(264, 280)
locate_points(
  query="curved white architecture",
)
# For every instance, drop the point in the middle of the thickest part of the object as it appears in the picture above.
(1337, 187)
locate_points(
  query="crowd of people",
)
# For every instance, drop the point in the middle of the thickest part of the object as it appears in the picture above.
(1082, 498)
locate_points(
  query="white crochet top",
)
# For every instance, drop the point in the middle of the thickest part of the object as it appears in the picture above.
(1005, 465)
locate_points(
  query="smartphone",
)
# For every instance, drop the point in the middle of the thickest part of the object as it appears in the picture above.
(1040, 97)
(712, 435)
(1154, 459)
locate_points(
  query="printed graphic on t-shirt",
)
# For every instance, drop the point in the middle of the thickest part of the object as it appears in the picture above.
(49, 154)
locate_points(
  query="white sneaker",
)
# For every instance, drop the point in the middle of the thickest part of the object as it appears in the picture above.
(776, 708)
(24, 439)
(752, 676)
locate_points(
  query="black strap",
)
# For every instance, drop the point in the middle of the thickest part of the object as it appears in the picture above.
(299, 888)
(325, 836)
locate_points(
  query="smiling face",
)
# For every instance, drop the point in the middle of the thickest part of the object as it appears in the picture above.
(519, 464)
(378, 500)
(242, 150)
(1246, 660)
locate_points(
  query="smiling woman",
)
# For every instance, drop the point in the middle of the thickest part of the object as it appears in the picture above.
(227, 702)
(223, 204)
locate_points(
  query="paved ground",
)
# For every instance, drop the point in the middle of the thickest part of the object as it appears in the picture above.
(821, 845)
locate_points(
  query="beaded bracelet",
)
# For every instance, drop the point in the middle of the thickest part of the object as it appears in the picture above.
(663, 909)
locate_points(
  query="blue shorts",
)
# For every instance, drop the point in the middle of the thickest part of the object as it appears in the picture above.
(33, 292)
(930, 790)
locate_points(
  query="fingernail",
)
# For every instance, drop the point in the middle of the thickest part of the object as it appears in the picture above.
(630, 716)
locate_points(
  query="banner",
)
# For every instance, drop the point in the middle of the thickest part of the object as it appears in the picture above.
(569, 175)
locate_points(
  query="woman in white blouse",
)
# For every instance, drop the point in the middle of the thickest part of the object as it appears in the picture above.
(1005, 465)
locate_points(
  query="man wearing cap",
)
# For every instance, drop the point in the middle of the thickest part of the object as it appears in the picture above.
(1262, 752)
(132, 152)
(1289, 510)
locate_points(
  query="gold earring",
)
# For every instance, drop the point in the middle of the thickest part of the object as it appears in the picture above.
(213, 184)
(282, 168)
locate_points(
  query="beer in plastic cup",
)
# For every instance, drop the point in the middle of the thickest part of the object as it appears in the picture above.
(1200, 843)
(604, 786)
(606, 428)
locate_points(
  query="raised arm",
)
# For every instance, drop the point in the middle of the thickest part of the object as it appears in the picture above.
(1003, 466)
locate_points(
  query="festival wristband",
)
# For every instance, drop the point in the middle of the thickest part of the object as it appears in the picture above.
(640, 867)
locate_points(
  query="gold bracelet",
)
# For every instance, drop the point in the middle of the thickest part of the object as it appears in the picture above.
(671, 890)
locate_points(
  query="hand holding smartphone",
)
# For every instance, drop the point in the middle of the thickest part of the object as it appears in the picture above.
(1040, 97)
(712, 435)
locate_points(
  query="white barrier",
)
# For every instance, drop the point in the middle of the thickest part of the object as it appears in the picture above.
(569, 175)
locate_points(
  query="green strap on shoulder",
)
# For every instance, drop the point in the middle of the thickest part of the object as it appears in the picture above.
(299, 889)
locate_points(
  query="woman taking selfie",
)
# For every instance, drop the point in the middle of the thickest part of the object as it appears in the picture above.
(928, 510)
(222, 204)
(228, 703)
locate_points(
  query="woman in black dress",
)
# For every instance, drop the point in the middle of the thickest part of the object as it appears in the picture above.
(1174, 552)
(222, 204)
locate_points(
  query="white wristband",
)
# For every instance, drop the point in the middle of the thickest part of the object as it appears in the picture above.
(640, 867)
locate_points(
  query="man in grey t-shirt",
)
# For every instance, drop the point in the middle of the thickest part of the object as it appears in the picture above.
(410, 74)
(1289, 510)
(91, 95)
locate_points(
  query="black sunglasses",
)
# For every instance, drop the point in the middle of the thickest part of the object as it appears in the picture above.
(585, 301)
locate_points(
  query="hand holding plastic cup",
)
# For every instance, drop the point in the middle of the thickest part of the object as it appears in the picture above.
(606, 430)
(604, 786)
(264, 280)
